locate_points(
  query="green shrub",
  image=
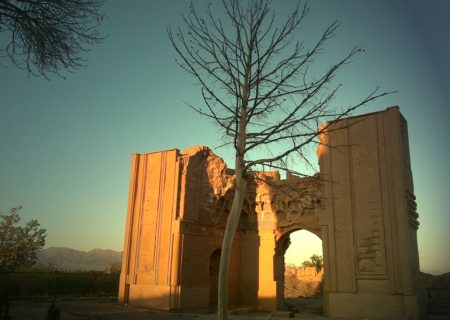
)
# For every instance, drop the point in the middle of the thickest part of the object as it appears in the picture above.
(58, 284)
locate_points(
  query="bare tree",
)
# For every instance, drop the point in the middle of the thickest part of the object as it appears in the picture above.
(48, 36)
(256, 86)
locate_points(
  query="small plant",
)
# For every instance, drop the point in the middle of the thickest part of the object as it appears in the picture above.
(53, 313)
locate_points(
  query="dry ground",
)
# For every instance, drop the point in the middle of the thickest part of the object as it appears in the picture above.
(108, 309)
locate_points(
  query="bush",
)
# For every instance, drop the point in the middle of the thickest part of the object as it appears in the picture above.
(298, 284)
(58, 284)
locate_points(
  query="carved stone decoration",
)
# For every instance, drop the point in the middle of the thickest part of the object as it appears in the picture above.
(413, 216)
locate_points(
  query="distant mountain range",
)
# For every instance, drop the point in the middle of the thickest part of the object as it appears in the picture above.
(77, 260)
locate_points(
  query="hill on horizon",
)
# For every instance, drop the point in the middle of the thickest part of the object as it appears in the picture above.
(77, 260)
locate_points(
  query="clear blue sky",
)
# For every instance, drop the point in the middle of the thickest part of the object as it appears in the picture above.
(65, 144)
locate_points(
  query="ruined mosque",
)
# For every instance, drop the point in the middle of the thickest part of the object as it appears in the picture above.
(361, 205)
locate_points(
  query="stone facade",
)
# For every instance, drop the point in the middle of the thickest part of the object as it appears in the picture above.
(361, 205)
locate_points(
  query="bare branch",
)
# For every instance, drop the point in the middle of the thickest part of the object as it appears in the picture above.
(49, 36)
(256, 84)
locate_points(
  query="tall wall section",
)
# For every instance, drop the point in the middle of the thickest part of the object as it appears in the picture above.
(369, 221)
(150, 264)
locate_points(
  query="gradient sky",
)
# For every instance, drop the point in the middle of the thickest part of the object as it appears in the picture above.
(65, 144)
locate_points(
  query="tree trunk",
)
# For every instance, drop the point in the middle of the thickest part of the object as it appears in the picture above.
(230, 231)
(238, 200)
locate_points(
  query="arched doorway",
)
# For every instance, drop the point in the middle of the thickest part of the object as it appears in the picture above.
(298, 264)
(214, 262)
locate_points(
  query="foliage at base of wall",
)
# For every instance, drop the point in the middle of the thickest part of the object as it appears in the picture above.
(58, 284)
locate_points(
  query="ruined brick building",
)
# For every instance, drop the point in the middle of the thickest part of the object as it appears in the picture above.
(361, 205)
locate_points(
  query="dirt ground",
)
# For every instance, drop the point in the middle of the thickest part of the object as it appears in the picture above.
(88, 309)
(109, 309)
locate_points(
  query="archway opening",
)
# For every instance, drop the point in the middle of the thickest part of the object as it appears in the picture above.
(303, 272)
(214, 262)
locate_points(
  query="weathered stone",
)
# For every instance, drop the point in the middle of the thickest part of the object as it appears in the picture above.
(361, 205)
